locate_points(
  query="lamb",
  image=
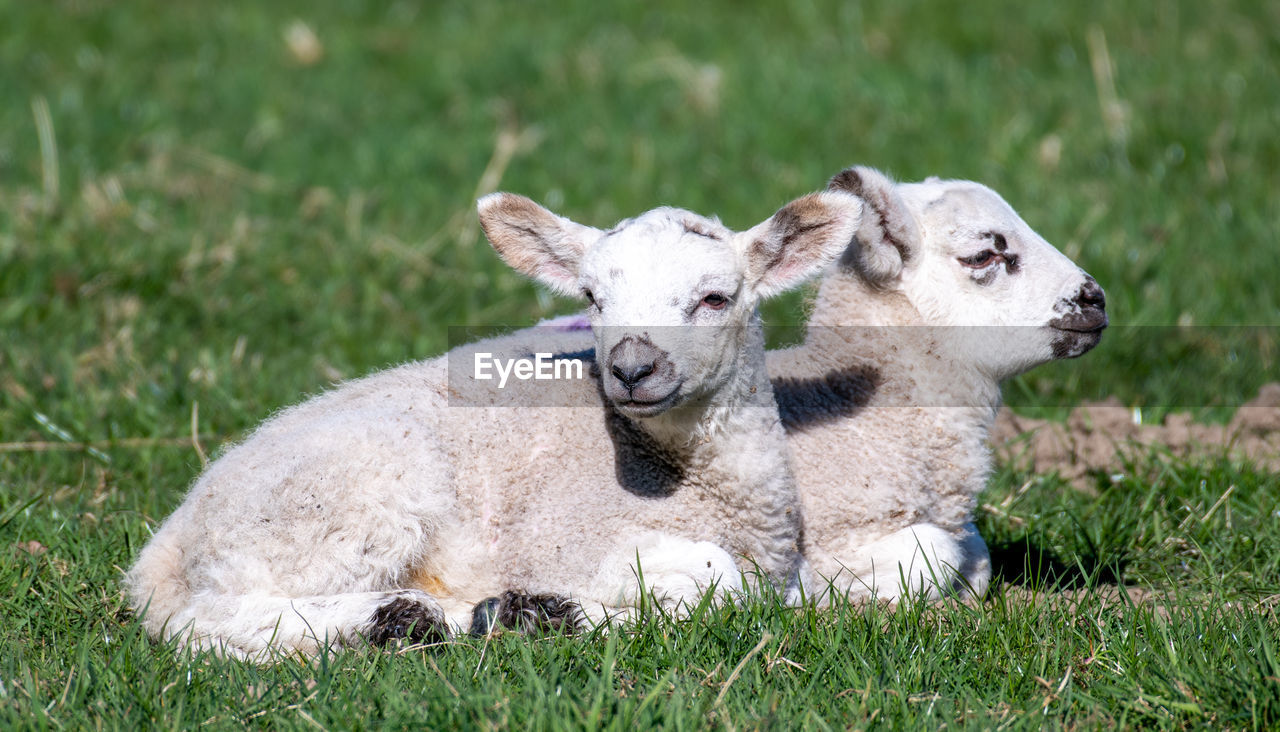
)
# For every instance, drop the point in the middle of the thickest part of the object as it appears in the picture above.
(395, 505)
(889, 401)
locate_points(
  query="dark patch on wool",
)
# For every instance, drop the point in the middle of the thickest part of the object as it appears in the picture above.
(805, 403)
(643, 467)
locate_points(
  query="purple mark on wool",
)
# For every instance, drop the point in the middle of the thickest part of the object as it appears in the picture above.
(567, 323)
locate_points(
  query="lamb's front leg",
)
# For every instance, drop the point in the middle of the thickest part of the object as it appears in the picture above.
(257, 626)
(674, 571)
(923, 560)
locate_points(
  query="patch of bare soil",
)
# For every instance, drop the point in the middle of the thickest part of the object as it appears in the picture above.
(1098, 437)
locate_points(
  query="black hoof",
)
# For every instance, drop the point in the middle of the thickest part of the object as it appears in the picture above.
(484, 616)
(525, 613)
(404, 618)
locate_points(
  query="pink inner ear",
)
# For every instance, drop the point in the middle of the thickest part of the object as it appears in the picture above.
(553, 271)
(784, 274)
(787, 269)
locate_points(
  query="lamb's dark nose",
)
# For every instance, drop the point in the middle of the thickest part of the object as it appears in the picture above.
(632, 360)
(632, 374)
(1091, 295)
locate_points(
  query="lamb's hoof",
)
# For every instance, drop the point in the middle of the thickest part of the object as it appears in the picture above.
(525, 613)
(484, 616)
(403, 618)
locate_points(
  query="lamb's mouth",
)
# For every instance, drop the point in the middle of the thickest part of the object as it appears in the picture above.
(648, 407)
(1089, 321)
(1068, 329)
(1071, 340)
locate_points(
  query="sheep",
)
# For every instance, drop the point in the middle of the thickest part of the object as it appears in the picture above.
(889, 401)
(404, 504)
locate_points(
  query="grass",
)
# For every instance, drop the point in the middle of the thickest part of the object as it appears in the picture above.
(198, 226)
(1201, 647)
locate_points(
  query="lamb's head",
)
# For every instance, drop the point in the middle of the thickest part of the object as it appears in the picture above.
(672, 295)
(962, 257)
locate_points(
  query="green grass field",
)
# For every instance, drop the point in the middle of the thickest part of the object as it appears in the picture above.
(200, 223)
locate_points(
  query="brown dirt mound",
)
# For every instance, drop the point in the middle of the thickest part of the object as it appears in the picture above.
(1097, 438)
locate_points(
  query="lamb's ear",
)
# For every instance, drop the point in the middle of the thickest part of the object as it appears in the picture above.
(888, 236)
(799, 241)
(535, 241)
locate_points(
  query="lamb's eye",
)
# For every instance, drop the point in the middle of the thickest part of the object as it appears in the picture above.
(980, 260)
(715, 301)
(591, 299)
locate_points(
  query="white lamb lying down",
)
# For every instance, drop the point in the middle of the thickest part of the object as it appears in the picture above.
(888, 403)
(392, 505)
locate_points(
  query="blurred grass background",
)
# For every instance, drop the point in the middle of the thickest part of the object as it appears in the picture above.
(230, 218)
(208, 210)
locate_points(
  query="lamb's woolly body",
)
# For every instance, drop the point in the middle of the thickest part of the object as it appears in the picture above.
(425, 490)
(381, 486)
(897, 474)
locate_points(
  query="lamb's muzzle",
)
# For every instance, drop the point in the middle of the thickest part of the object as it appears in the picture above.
(642, 376)
(1081, 328)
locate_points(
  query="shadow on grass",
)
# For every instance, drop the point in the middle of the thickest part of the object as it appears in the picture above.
(1026, 563)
